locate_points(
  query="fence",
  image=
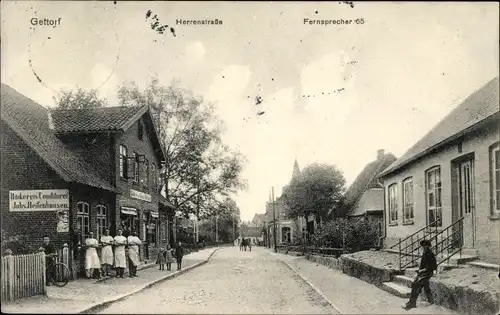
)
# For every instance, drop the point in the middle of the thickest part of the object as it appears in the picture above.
(22, 276)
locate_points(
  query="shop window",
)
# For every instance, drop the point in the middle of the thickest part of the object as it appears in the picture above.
(163, 232)
(83, 220)
(102, 221)
(123, 162)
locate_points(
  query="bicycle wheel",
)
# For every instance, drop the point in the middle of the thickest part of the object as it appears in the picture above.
(62, 275)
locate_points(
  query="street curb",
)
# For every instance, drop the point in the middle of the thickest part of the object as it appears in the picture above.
(312, 286)
(106, 303)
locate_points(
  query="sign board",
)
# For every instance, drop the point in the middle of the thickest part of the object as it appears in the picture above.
(128, 210)
(140, 195)
(38, 200)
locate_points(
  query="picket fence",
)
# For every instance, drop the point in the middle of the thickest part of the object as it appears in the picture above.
(23, 276)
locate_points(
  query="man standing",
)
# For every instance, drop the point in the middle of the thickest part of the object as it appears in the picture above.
(50, 254)
(179, 253)
(107, 252)
(133, 253)
(427, 266)
(120, 262)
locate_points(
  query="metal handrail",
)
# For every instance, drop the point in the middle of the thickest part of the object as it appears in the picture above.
(415, 233)
(403, 251)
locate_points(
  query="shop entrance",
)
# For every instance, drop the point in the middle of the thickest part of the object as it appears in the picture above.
(129, 221)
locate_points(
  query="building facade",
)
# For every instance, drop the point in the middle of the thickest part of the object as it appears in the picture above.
(66, 173)
(451, 173)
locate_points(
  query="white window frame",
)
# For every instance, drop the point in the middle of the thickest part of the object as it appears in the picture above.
(102, 220)
(123, 161)
(433, 192)
(136, 168)
(392, 198)
(408, 203)
(495, 181)
(153, 176)
(83, 218)
(146, 173)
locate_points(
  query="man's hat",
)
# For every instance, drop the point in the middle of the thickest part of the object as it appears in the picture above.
(425, 243)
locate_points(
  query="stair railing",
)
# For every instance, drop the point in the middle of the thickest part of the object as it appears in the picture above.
(446, 244)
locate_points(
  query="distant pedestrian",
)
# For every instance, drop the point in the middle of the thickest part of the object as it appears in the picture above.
(427, 267)
(240, 241)
(107, 252)
(120, 259)
(179, 253)
(92, 262)
(133, 253)
(250, 244)
(169, 258)
(50, 254)
(160, 260)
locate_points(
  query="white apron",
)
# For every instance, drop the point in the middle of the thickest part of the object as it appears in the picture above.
(107, 250)
(91, 257)
(120, 259)
(133, 249)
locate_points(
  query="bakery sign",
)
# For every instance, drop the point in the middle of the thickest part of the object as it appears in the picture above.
(38, 200)
(140, 195)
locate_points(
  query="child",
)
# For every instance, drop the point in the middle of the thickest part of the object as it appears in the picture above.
(169, 258)
(161, 259)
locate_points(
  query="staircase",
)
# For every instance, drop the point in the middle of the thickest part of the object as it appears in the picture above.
(447, 245)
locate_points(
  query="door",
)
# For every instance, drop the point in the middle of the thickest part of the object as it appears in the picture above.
(466, 190)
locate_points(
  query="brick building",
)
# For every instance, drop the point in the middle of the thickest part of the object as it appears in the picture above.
(453, 172)
(69, 172)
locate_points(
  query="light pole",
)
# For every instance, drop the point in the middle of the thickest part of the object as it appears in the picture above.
(274, 223)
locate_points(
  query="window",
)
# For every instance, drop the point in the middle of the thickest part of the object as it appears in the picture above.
(102, 221)
(153, 178)
(433, 200)
(408, 200)
(495, 182)
(123, 161)
(393, 204)
(140, 131)
(136, 167)
(145, 180)
(83, 220)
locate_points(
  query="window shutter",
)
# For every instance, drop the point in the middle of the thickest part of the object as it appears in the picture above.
(130, 167)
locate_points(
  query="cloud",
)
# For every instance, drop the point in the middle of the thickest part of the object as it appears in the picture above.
(195, 52)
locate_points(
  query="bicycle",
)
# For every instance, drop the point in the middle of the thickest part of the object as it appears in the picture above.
(60, 272)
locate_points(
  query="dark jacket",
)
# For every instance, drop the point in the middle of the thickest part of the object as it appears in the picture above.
(179, 252)
(428, 261)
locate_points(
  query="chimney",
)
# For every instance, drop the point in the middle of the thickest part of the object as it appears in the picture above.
(380, 154)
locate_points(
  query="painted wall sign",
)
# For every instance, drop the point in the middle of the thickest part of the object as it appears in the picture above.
(38, 200)
(128, 210)
(140, 195)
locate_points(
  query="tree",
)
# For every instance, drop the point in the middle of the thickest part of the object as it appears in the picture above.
(199, 169)
(80, 98)
(317, 190)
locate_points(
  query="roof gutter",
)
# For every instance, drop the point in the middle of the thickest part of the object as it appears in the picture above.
(439, 145)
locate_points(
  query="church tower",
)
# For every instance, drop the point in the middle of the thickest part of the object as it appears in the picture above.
(296, 170)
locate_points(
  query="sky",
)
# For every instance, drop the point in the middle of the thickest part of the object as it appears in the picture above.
(332, 94)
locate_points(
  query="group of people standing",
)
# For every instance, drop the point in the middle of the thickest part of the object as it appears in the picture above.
(110, 258)
(167, 257)
(244, 243)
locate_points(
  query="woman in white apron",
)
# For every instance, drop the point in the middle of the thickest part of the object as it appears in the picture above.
(120, 259)
(107, 258)
(92, 263)
(133, 253)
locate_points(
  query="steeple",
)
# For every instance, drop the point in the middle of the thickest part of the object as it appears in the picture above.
(296, 170)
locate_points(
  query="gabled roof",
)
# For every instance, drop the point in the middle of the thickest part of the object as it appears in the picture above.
(476, 109)
(30, 121)
(105, 119)
(367, 179)
(96, 119)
